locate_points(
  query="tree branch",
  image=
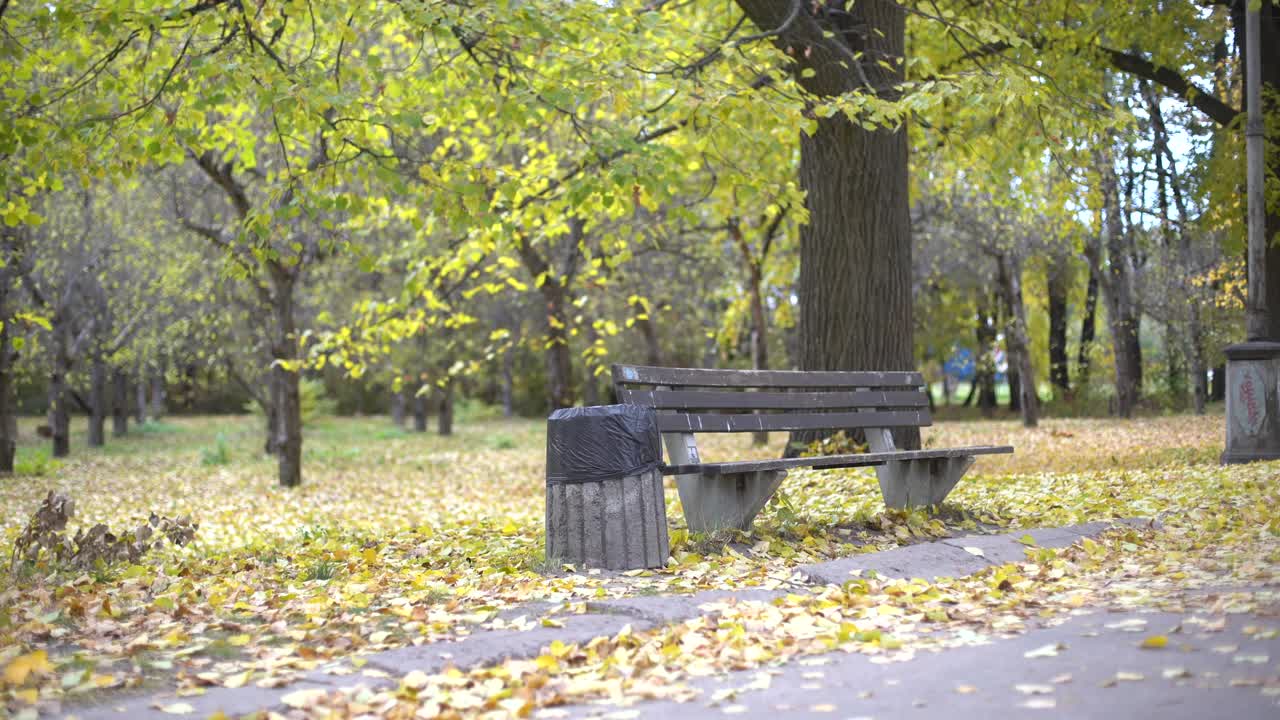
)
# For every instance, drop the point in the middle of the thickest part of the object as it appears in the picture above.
(1206, 102)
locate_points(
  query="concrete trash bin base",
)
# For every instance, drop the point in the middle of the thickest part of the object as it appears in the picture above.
(605, 502)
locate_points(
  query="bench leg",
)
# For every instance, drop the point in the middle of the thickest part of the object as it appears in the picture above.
(920, 483)
(726, 501)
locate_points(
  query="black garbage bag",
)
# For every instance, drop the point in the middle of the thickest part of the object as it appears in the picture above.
(603, 442)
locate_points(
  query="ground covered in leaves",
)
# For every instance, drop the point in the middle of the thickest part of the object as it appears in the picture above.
(399, 538)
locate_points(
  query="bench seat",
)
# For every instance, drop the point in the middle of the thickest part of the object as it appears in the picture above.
(832, 461)
(716, 495)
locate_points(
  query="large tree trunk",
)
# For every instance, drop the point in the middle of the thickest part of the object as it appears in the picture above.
(1088, 330)
(97, 402)
(1059, 286)
(119, 403)
(289, 408)
(855, 251)
(1016, 339)
(1118, 291)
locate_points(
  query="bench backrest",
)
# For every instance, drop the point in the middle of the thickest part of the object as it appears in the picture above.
(762, 400)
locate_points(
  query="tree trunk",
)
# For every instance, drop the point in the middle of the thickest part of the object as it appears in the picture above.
(1017, 342)
(420, 411)
(559, 356)
(508, 381)
(1218, 388)
(119, 403)
(272, 443)
(289, 442)
(1014, 380)
(97, 402)
(759, 335)
(1058, 285)
(641, 315)
(140, 397)
(289, 407)
(590, 381)
(1195, 351)
(1088, 330)
(397, 408)
(59, 415)
(855, 251)
(444, 423)
(984, 378)
(1117, 282)
(8, 413)
(157, 394)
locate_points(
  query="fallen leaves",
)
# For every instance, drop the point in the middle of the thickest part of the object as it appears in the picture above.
(448, 537)
(20, 668)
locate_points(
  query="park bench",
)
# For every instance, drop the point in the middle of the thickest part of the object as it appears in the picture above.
(718, 495)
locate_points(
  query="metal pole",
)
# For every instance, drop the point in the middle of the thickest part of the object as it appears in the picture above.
(1256, 311)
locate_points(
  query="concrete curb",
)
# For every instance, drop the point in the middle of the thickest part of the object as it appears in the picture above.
(949, 558)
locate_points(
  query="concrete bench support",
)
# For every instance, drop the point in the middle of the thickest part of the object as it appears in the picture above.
(915, 483)
(618, 524)
(723, 501)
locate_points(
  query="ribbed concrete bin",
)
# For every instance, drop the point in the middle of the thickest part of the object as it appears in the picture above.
(605, 506)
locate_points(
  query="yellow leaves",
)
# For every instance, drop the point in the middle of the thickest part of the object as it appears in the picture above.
(239, 640)
(24, 666)
(510, 528)
(178, 708)
(1154, 642)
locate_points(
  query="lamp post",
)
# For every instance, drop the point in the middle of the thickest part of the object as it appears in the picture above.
(1253, 366)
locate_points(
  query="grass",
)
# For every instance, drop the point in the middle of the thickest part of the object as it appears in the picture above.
(439, 533)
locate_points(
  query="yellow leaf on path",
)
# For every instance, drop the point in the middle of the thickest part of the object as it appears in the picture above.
(966, 689)
(822, 707)
(237, 680)
(17, 671)
(510, 528)
(239, 640)
(177, 709)
(28, 696)
(370, 555)
(1155, 642)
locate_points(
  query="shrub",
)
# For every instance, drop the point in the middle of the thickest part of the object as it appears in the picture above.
(219, 454)
(35, 463)
(45, 536)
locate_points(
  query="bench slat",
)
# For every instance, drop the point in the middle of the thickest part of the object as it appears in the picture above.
(732, 400)
(831, 461)
(702, 377)
(709, 422)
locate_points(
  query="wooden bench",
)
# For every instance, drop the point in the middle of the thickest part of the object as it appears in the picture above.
(718, 495)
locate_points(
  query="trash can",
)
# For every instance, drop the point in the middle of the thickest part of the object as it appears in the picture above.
(605, 505)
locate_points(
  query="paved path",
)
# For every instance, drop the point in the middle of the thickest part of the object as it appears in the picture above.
(1099, 671)
(947, 558)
